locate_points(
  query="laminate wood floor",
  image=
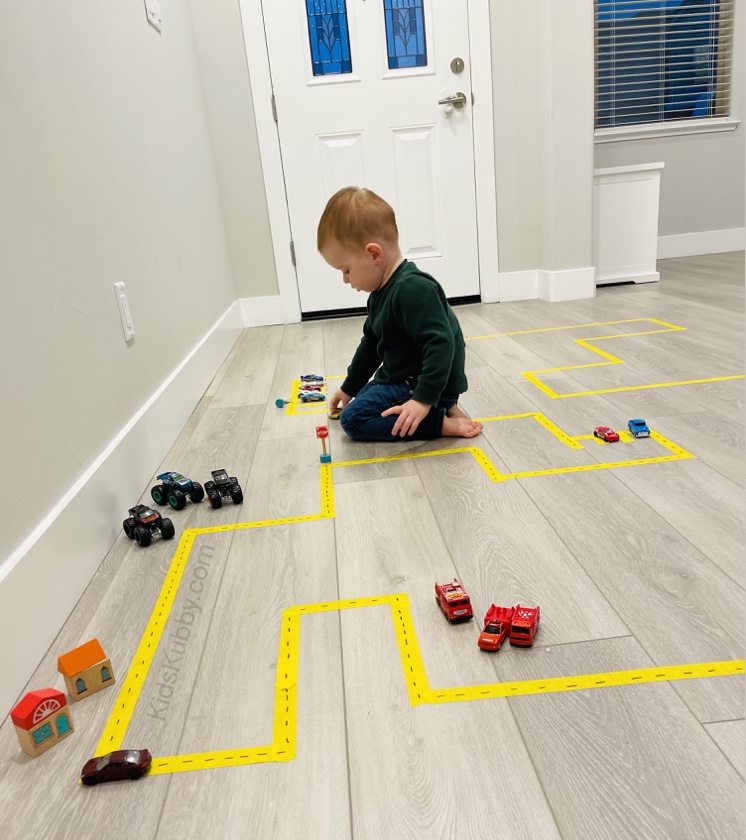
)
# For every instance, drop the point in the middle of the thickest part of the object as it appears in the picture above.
(635, 566)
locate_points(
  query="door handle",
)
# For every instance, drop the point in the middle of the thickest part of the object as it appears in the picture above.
(458, 100)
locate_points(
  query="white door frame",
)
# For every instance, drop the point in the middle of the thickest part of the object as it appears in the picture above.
(257, 57)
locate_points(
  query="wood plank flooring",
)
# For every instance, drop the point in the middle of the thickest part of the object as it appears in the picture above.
(634, 567)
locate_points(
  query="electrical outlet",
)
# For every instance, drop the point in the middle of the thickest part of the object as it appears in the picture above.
(124, 311)
(153, 11)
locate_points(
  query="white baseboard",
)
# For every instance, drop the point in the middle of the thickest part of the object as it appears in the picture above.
(262, 311)
(627, 277)
(568, 284)
(554, 286)
(702, 242)
(516, 285)
(41, 582)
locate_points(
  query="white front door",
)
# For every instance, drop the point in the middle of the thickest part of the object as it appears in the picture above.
(357, 85)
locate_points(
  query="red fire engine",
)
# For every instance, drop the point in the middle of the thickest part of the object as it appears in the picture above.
(453, 599)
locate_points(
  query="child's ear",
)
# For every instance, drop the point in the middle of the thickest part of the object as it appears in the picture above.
(375, 250)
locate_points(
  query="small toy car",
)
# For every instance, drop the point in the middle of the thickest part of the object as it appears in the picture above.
(496, 627)
(174, 489)
(144, 522)
(638, 428)
(311, 396)
(605, 433)
(454, 600)
(115, 766)
(311, 377)
(222, 487)
(311, 386)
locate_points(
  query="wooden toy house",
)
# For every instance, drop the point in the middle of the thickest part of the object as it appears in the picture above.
(86, 670)
(41, 719)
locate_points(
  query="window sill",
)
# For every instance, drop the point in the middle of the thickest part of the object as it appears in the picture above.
(665, 129)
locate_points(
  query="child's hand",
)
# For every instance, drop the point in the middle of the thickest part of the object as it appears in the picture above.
(336, 398)
(411, 414)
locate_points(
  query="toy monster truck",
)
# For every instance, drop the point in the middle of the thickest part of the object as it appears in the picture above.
(144, 522)
(222, 487)
(175, 489)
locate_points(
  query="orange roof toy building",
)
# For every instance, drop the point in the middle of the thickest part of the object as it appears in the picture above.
(86, 670)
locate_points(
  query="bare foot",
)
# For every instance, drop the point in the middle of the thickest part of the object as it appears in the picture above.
(460, 426)
(455, 411)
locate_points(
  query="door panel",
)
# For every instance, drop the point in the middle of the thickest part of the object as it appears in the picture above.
(376, 122)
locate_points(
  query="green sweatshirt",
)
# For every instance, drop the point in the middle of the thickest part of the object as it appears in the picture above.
(410, 331)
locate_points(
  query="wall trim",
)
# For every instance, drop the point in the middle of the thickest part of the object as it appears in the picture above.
(262, 311)
(100, 498)
(701, 242)
(567, 284)
(517, 285)
(554, 286)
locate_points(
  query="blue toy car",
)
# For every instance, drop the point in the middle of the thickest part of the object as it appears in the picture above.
(638, 428)
(175, 489)
(311, 377)
(311, 396)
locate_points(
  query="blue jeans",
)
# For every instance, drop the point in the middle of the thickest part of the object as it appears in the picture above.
(361, 418)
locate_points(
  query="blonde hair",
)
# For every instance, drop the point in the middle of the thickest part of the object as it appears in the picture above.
(354, 216)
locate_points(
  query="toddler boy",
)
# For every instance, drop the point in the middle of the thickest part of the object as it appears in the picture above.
(411, 340)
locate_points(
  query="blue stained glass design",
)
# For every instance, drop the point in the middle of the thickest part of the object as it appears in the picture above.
(405, 33)
(329, 37)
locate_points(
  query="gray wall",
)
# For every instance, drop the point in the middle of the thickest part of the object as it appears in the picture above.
(106, 174)
(542, 77)
(230, 110)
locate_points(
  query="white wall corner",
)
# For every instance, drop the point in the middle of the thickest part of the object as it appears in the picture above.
(701, 242)
(100, 498)
(262, 311)
(569, 284)
(516, 285)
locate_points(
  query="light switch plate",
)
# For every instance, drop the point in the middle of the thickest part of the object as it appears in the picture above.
(124, 311)
(153, 11)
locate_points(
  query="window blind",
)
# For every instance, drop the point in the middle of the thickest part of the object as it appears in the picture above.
(659, 60)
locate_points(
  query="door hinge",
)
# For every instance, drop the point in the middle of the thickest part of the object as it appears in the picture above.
(472, 99)
(292, 251)
(274, 108)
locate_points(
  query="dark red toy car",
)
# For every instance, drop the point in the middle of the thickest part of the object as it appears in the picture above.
(605, 433)
(115, 766)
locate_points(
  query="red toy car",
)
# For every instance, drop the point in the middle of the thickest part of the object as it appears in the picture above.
(454, 600)
(497, 624)
(524, 626)
(115, 766)
(605, 433)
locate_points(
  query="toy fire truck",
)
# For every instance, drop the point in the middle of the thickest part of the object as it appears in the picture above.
(453, 599)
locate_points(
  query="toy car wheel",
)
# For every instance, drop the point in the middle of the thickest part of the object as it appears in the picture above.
(236, 495)
(167, 529)
(197, 492)
(90, 782)
(134, 775)
(209, 486)
(215, 499)
(129, 527)
(177, 499)
(143, 537)
(158, 494)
